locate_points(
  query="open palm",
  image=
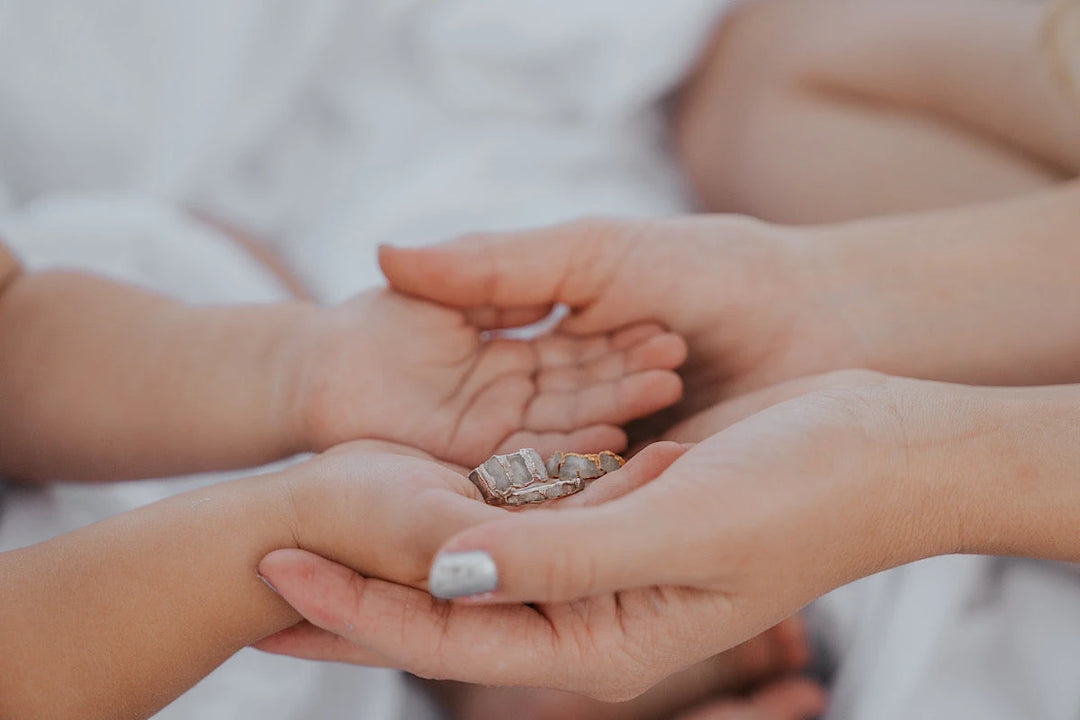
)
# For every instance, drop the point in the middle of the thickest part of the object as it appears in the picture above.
(395, 368)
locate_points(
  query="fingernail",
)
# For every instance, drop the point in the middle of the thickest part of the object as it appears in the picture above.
(266, 582)
(463, 574)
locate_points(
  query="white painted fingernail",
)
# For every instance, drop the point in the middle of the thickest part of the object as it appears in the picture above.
(462, 574)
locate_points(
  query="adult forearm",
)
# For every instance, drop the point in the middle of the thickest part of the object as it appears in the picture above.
(981, 295)
(104, 381)
(119, 618)
(1001, 466)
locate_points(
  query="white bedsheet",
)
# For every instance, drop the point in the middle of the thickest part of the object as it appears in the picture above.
(328, 127)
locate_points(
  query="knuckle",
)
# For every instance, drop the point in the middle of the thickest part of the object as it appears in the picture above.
(356, 592)
(571, 573)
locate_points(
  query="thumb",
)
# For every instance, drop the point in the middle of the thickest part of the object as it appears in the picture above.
(566, 554)
(568, 263)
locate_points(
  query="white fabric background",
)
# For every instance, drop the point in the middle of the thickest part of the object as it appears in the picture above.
(328, 127)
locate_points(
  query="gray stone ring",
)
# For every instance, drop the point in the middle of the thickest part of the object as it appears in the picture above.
(523, 478)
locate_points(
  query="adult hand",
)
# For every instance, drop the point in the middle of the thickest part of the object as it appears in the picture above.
(752, 300)
(959, 295)
(663, 564)
(390, 367)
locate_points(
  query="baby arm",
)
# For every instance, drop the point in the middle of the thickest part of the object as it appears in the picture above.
(103, 381)
(117, 619)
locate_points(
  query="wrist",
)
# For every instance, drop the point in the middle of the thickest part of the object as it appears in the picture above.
(167, 592)
(894, 504)
(294, 382)
(1015, 460)
(862, 280)
(960, 295)
(254, 516)
(766, 303)
(981, 470)
(335, 383)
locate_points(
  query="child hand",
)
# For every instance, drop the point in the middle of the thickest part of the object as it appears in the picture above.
(387, 366)
(380, 506)
(137, 591)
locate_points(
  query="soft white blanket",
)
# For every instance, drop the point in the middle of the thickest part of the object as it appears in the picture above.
(330, 126)
(326, 127)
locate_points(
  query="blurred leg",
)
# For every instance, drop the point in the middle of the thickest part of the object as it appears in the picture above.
(809, 111)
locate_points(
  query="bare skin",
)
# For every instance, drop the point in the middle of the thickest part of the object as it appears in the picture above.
(764, 660)
(788, 503)
(994, 124)
(759, 304)
(106, 381)
(810, 111)
(863, 474)
(103, 381)
(117, 619)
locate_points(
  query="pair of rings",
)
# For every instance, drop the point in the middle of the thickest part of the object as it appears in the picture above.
(523, 477)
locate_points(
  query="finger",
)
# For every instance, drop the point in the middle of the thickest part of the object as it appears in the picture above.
(713, 420)
(569, 263)
(559, 372)
(791, 642)
(645, 466)
(386, 447)
(494, 318)
(635, 335)
(793, 699)
(309, 642)
(511, 645)
(504, 394)
(437, 515)
(574, 553)
(616, 402)
(592, 439)
(562, 350)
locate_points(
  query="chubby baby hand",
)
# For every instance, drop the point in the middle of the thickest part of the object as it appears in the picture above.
(390, 367)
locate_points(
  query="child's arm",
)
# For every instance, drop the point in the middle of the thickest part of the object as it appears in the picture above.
(117, 619)
(103, 381)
